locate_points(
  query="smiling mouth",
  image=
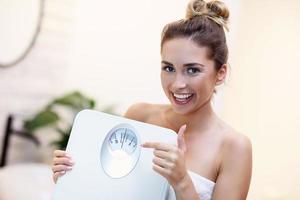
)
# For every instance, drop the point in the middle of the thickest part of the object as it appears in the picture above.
(182, 99)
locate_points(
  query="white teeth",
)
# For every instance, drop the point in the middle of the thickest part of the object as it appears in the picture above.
(182, 96)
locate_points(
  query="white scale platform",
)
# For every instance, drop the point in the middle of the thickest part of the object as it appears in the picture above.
(110, 164)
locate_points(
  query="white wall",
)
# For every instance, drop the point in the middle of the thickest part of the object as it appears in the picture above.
(28, 86)
(262, 99)
(116, 49)
(115, 56)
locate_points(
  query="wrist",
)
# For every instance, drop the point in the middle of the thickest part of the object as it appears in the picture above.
(183, 184)
(185, 189)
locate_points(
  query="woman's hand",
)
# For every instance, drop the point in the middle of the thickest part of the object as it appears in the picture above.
(62, 162)
(169, 160)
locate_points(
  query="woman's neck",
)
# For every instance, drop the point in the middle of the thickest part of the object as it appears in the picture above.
(199, 120)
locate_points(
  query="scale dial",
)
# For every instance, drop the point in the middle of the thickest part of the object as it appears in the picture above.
(123, 139)
(120, 151)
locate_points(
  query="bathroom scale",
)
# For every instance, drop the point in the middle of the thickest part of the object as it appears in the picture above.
(110, 163)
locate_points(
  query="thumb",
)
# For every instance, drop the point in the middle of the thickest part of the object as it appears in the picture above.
(180, 138)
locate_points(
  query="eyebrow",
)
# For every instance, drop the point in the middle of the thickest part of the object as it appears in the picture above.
(185, 65)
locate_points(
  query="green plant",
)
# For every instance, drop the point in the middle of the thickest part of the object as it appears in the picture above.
(51, 116)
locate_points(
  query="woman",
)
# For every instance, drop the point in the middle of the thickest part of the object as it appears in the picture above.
(211, 160)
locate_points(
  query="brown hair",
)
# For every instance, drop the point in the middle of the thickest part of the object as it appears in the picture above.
(204, 24)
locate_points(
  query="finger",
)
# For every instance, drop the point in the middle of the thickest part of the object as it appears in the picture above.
(56, 175)
(60, 153)
(180, 138)
(162, 163)
(63, 161)
(161, 154)
(159, 146)
(60, 168)
(170, 157)
(162, 171)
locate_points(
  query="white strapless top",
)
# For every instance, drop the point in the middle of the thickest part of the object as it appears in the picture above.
(203, 186)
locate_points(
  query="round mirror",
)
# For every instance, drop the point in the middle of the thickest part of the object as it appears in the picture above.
(20, 23)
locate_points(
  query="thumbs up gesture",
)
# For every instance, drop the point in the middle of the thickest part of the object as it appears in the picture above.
(180, 139)
(169, 160)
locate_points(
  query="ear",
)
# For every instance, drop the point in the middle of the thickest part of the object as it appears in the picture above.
(221, 74)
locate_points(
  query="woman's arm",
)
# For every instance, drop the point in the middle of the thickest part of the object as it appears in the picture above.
(235, 174)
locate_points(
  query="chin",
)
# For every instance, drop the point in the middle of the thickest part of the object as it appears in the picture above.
(182, 110)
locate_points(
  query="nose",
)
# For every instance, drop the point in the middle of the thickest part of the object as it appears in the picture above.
(179, 82)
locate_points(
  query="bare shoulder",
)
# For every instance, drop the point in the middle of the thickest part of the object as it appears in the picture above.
(236, 166)
(236, 143)
(142, 111)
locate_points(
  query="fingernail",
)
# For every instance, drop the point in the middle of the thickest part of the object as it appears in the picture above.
(69, 168)
(62, 172)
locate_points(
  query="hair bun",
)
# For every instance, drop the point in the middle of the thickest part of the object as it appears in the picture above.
(219, 9)
(196, 8)
(214, 10)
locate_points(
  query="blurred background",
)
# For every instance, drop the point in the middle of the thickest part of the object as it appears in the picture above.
(59, 56)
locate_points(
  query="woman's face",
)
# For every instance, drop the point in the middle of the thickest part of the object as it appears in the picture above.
(188, 76)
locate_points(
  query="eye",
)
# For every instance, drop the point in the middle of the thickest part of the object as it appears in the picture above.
(193, 70)
(168, 69)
